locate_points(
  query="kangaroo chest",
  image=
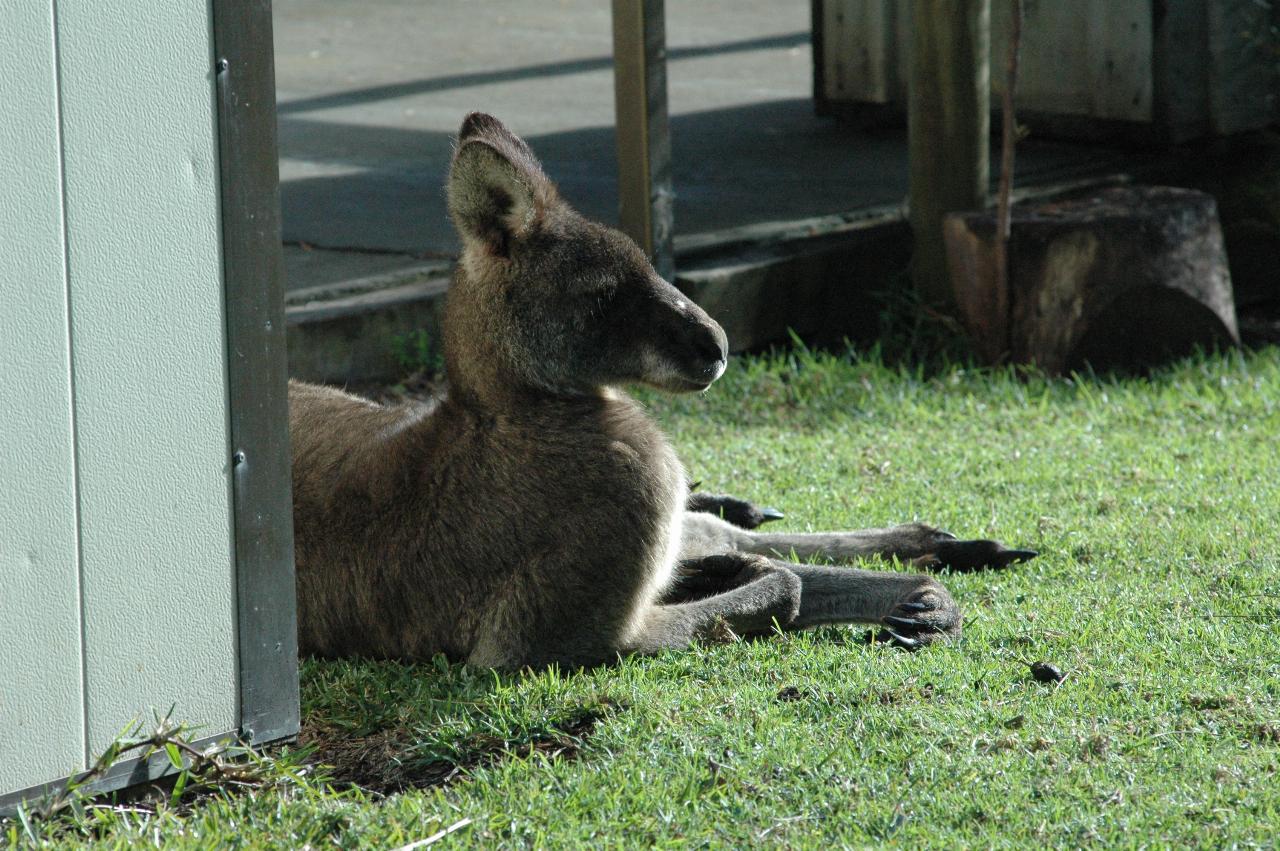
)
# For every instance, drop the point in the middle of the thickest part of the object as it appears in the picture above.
(605, 480)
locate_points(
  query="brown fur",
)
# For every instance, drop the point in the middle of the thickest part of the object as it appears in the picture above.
(535, 514)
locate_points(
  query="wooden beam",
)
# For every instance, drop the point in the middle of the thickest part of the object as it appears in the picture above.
(645, 199)
(948, 121)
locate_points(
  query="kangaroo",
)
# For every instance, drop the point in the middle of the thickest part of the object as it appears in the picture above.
(535, 515)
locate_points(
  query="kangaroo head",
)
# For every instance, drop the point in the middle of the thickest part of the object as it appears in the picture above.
(548, 300)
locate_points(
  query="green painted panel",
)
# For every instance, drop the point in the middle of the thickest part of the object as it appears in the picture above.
(149, 357)
(41, 708)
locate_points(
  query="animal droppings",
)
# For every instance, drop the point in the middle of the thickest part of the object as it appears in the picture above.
(1043, 672)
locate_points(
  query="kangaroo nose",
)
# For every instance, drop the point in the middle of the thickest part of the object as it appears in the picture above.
(710, 349)
(706, 337)
(694, 342)
(712, 345)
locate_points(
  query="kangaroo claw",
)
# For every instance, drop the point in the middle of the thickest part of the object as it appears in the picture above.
(906, 623)
(901, 640)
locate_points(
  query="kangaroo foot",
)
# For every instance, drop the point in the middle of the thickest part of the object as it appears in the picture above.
(739, 512)
(946, 550)
(926, 615)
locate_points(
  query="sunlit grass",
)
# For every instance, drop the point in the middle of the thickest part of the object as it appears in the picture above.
(1154, 502)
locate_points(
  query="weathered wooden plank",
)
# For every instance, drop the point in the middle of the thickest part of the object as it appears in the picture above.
(41, 705)
(150, 363)
(1090, 59)
(1086, 57)
(1244, 52)
(646, 203)
(859, 55)
(948, 121)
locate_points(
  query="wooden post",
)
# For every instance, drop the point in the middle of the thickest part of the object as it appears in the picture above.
(948, 120)
(645, 199)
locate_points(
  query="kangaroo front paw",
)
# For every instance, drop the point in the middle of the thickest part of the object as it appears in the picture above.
(926, 615)
(739, 512)
(945, 550)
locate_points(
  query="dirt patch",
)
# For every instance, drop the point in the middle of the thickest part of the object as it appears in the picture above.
(1211, 702)
(905, 693)
(392, 760)
(1265, 733)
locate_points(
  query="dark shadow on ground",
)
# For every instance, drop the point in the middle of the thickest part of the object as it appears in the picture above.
(761, 162)
(377, 724)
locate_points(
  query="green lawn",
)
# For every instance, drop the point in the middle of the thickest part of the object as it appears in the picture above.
(1155, 504)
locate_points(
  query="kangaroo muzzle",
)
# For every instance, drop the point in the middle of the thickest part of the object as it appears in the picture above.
(696, 348)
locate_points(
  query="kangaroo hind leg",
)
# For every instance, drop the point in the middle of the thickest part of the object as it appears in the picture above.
(748, 594)
(915, 609)
(913, 543)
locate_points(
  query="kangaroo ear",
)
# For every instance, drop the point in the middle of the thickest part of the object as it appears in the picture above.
(497, 191)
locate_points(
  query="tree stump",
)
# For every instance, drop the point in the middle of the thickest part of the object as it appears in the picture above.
(1125, 277)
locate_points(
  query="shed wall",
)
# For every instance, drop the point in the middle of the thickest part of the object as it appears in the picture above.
(149, 356)
(41, 699)
(116, 509)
